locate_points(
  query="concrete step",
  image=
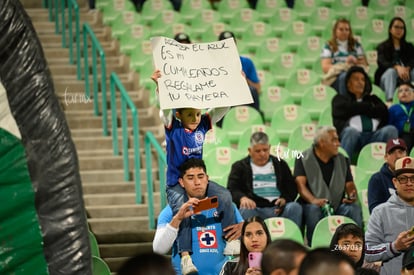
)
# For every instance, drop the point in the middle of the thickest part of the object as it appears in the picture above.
(108, 187)
(113, 211)
(62, 82)
(117, 198)
(118, 225)
(113, 175)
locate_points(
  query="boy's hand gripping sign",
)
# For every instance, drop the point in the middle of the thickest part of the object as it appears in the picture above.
(202, 75)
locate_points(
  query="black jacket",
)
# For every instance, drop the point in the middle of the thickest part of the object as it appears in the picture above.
(240, 182)
(386, 52)
(346, 106)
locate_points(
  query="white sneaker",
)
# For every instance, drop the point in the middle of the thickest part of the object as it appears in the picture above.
(187, 266)
(232, 248)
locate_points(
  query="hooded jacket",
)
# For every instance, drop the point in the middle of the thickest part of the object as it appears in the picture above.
(344, 107)
(385, 223)
(380, 187)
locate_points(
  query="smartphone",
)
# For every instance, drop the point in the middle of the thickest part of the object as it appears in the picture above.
(411, 231)
(255, 259)
(207, 203)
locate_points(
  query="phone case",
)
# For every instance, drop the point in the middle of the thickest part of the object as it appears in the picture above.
(207, 203)
(255, 259)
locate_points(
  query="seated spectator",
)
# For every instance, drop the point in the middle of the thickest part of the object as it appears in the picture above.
(262, 184)
(380, 186)
(147, 263)
(401, 114)
(388, 234)
(255, 238)
(341, 52)
(323, 261)
(359, 116)
(395, 59)
(408, 262)
(283, 257)
(324, 176)
(349, 239)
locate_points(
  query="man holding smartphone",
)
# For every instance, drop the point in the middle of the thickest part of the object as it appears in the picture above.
(208, 237)
(388, 233)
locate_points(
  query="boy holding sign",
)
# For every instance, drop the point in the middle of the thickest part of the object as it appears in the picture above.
(185, 134)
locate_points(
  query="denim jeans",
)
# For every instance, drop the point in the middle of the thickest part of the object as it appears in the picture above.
(176, 197)
(388, 82)
(313, 214)
(352, 140)
(292, 211)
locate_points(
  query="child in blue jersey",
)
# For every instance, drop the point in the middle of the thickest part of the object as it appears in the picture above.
(184, 134)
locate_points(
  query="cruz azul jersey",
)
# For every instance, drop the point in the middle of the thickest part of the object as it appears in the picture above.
(183, 144)
(208, 243)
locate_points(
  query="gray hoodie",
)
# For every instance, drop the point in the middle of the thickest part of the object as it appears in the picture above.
(386, 222)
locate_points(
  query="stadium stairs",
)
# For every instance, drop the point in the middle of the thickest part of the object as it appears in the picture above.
(120, 225)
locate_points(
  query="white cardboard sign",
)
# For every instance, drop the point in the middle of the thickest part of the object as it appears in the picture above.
(201, 75)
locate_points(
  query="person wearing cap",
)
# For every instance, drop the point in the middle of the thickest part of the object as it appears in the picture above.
(388, 234)
(250, 72)
(359, 116)
(401, 115)
(380, 186)
(408, 262)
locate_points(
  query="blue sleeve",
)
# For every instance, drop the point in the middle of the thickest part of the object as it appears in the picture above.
(165, 216)
(237, 214)
(249, 69)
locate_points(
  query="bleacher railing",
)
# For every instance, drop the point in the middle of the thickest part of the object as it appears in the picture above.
(73, 10)
(150, 142)
(126, 103)
(97, 50)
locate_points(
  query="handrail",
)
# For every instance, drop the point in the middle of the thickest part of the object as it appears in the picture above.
(126, 101)
(96, 50)
(162, 164)
(73, 6)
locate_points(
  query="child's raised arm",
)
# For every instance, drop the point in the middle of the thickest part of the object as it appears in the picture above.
(165, 115)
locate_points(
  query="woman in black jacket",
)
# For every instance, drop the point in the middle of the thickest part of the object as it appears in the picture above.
(395, 58)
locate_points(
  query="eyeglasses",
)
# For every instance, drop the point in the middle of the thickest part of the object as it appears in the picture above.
(405, 90)
(404, 179)
(398, 27)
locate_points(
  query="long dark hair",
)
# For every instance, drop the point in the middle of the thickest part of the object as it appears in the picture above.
(390, 26)
(243, 263)
(351, 39)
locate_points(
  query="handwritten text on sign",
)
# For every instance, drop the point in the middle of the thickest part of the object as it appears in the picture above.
(202, 75)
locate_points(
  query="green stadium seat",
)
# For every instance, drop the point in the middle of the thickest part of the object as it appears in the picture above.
(321, 19)
(404, 12)
(244, 141)
(305, 8)
(296, 33)
(311, 52)
(267, 54)
(375, 32)
(120, 26)
(241, 21)
(141, 55)
(302, 137)
(285, 64)
(268, 8)
(283, 228)
(94, 244)
(215, 137)
(371, 56)
(325, 117)
(360, 18)
(343, 8)
(150, 10)
(316, 98)
(325, 229)
(256, 35)
(382, 7)
(376, 90)
(219, 161)
(299, 81)
(200, 24)
(213, 31)
(285, 118)
(190, 9)
(371, 157)
(273, 97)
(229, 8)
(281, 20)
(238, 119)
(135, 34)
(99, 267)
(161, 22)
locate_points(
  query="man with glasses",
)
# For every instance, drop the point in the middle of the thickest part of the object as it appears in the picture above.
(380, 186)
(389, 228)
(401, 114)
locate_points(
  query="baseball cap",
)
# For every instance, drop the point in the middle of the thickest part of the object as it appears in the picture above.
(225, 35)
(182, 38)
(404, 165)
(408, 258)
(394, 143)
